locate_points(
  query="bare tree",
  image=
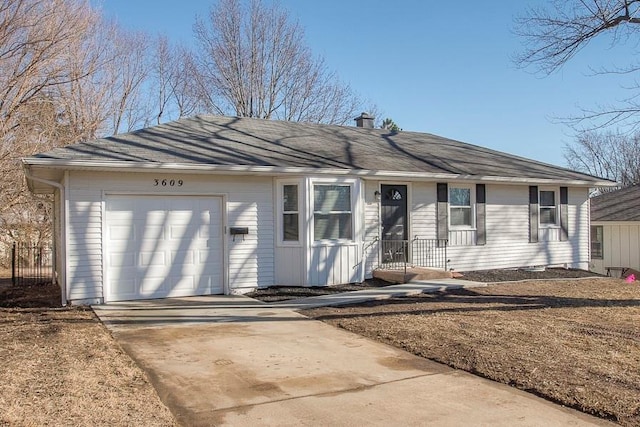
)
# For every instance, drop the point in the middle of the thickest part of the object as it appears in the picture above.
(125, 75)
(608, 155)
(40, 41)
(185, 82)
(252, 62)
(553, 34)
(66, 75)
(174, 78)
(36, 42)
(556, 33)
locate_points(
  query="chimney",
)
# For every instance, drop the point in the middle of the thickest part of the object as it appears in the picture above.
(364, 120)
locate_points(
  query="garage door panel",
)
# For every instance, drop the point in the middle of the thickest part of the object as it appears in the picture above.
(204, 256)
(184, 283)
(180, 231)
(209, 232)
(185, 257)
(127, 286)
(163, 246)
(150, 231)
(122, 259)
(121, 232)
(152, 259)
(118, 206)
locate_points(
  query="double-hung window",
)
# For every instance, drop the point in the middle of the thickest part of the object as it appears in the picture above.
(460, 207)
(548, 208)
(332, 215)
(290, 213)
(597, 240)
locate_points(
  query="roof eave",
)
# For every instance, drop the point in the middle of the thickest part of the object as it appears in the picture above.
(34, 163)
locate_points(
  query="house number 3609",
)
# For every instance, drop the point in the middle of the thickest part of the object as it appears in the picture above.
(168, 182)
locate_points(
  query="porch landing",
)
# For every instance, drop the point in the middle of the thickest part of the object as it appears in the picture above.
(413, 273)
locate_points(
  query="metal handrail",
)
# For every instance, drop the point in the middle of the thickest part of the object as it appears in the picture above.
(398, 254)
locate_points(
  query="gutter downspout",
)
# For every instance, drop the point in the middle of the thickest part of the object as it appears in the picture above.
(63, 282)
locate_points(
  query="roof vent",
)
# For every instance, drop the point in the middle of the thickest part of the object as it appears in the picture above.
(364, 120)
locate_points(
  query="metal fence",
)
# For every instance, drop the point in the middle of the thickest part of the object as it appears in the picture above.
(400, 254)
(31, 264)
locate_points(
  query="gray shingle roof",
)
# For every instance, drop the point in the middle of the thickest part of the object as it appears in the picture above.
(230, 141)
(619, 205)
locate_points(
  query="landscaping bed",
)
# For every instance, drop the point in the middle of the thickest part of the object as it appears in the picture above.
(283, 293)
(575, 342)
(60, 366)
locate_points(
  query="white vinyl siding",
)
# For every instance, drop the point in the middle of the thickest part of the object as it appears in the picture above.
(249, 203)
(371, 244)
(621, 245)
(334, 264)
(84, 244)
(252, 260)
(423, 210)
(507, 216)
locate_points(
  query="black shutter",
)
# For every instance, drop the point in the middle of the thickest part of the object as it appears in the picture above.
(533, 213)
(481, 214)
(564, 213)
(443, 211)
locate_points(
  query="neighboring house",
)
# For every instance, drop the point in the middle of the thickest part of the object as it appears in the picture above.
(224, 205)
(615, 231)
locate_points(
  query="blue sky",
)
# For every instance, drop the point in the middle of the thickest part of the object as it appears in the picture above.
(438, 67)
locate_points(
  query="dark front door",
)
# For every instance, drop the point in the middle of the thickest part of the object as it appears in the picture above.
(393, 216)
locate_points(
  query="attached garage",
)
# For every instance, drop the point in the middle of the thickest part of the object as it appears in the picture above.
(163, 246)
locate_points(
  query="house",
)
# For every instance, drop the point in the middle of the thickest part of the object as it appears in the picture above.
(615, 231)
(212, 204)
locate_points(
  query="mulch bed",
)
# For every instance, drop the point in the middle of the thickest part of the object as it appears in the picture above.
(518, 274)
(284, 293)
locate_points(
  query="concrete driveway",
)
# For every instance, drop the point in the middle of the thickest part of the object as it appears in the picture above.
(231, 360)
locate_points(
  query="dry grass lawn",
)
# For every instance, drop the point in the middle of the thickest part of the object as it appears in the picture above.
(576, 342)
(60, 366)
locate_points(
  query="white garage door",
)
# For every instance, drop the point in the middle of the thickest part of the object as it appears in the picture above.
(163, 246)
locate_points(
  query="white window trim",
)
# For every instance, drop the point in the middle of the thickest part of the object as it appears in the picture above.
(354, 200)
(591, 241)
(556, 195)
(472, 200)
(280, 212)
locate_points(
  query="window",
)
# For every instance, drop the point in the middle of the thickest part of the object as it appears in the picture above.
(460, 207)
(332, 212)
(290, 213)
(596, 242)
(548, 208)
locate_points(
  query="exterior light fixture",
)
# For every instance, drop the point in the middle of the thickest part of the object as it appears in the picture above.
(377, 195)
